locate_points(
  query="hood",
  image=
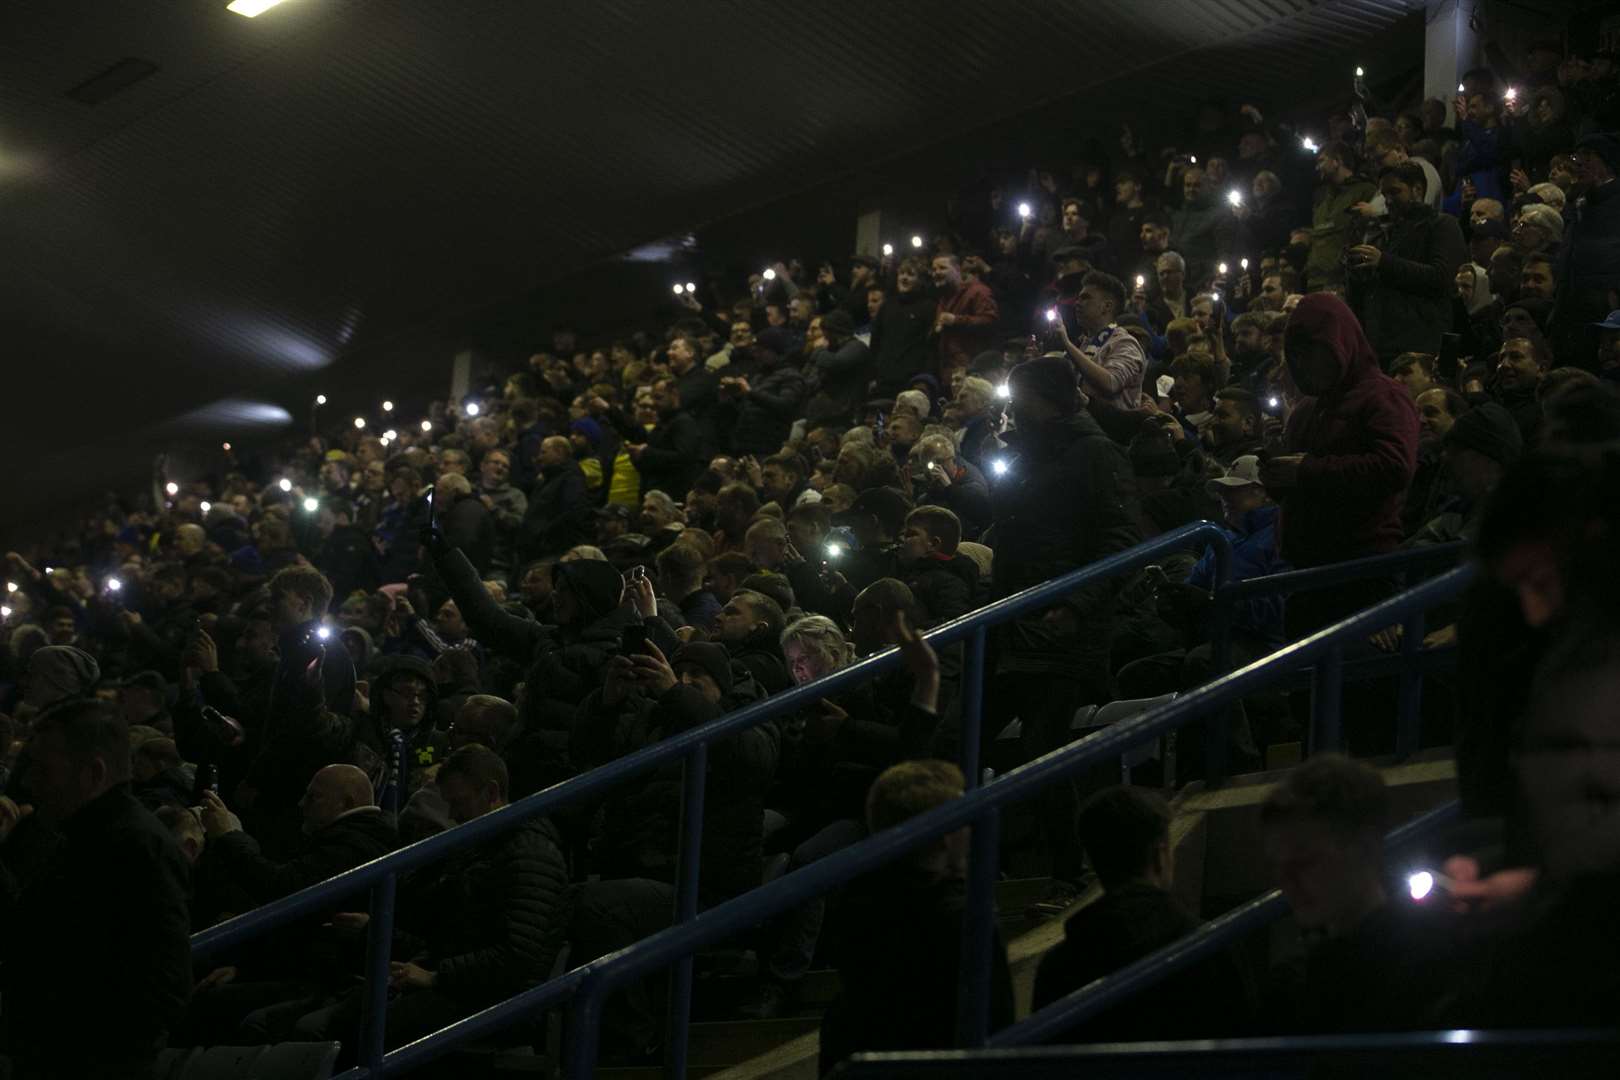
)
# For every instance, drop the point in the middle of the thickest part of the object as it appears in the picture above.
(368, 647)
(1483, 297)
(1323, 317)
(595, 584)
(1260, 518)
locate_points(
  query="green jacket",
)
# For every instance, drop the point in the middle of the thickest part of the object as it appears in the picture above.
(1332, 230)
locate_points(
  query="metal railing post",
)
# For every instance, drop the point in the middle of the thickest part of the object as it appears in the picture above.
(694, 774)
(584, 1029)
(973, 705)
(1219, 724)
(1409, 715)
(1327, 703)
(979, 938)
(379, 942)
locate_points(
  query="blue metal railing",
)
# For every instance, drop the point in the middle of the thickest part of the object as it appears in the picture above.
(977, 810)
(1479, 1055)
(690, 748)
(1087, 1001)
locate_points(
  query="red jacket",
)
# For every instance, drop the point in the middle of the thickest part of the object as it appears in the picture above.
(1360, 445)
(974, 331)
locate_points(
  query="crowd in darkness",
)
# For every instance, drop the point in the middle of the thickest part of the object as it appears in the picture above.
(1398, 328)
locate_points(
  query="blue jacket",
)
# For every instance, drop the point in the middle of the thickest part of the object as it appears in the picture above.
(1254, 554)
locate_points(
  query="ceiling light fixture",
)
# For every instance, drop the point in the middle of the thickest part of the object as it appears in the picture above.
(251, 9)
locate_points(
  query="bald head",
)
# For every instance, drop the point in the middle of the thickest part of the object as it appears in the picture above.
(333, 791)
(554, 450)
(191, 538)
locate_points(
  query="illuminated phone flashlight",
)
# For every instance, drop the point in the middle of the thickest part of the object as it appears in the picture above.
(835, 550)
(388, 406)
(311, 505)
(11, 586)
(1141, 281)
(114, 585)
(1421, 885)
(50, 570)
(1309, 144)
(1004, 391)
(323, 632)
(225, 446)
(1051, 314)
(1235, 197)
(1244, 263)
(1359, 72)
(1274, 401)
(999, 466)
(472, 408)
(1461, 89)
(888, 250)
(691, 288)
(1023, 210)
(917, 242)
(359, 422)
(172, 488)
(1221, 269)
(679, 289)
(284, 484)
(390, 435)
(1510, 93)
(5, 611)
(320, 399)
(1192, 158)
(427, 425)
(205, 506)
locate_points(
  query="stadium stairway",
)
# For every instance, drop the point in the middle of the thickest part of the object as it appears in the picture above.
(1217, 864)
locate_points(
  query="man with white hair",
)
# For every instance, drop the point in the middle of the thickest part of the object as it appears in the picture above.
(1538, 228)
(939, 479)
(972, 416)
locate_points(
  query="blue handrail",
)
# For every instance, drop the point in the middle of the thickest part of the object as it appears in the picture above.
(1217, 934)
(689, 747)
(1581, 1052)
(976, 809)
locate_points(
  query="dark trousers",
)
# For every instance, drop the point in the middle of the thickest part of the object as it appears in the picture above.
(1368, 712)
(1045, 705)
(411, 1015)
(789, 946)
(1185, 669)
(609, 915)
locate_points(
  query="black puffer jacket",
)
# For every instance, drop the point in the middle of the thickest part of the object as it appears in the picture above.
(641, 823)
(495, 918)
(944, 587)
(1067, 500)
(761, 656)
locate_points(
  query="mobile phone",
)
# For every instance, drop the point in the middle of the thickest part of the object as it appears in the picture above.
(633, 640)
(1446, 365)
(433, 516)
(638, 572)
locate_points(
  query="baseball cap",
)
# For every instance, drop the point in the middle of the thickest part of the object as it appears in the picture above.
(1245, 471)
(1611, 323)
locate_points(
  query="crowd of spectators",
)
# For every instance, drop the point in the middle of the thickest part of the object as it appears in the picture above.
(633, 535)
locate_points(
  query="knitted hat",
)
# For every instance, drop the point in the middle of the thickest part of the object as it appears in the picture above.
(1490, 430)
(1048, 378)
(711, 658)
(588, 428)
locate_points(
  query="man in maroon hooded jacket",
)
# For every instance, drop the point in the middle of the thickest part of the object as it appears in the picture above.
(1353, 448)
